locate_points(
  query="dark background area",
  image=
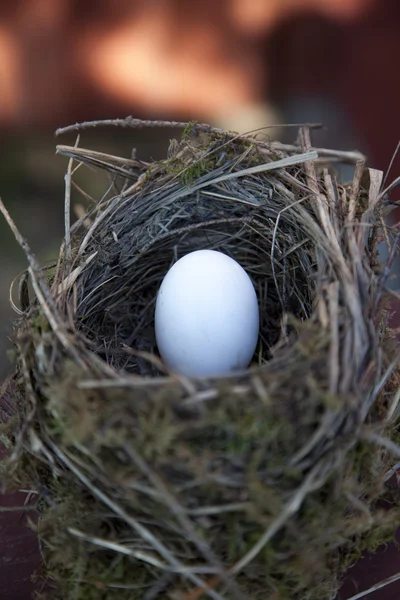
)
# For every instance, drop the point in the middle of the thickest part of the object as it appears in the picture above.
(239, 64)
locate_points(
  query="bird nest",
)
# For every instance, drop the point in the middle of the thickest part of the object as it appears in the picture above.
(264, 483)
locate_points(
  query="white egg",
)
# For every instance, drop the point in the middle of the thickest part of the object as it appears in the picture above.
(207, 317)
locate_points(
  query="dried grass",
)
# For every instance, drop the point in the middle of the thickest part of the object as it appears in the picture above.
(264, 483)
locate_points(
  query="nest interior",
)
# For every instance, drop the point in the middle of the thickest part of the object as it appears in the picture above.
(264, 483)
(203, 206)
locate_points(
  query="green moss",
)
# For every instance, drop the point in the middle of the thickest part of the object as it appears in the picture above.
(190, 174)
(57, 426)
(40, 323)
(12, 355)
(189, 170)
(188, 130)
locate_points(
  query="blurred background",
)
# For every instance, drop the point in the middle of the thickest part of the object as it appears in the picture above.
(238, 64)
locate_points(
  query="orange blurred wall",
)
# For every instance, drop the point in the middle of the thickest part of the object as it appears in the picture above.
(199, 59)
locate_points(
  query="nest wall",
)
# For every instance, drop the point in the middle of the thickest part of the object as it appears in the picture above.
(263, 483)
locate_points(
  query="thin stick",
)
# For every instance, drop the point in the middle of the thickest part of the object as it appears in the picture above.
(334, 362)
(355, 190)
(377, 586)
(392, 185)
(346, 156)
(393, 406)
(17, 508)
(391, 163)
(54, 323)
(394, 251)
(23, 292)
(140, 555)
(91, 161)
(21, 241)
(392, 471)
(129, 122)
(41, 289)
(377, 439)
(67, 211)
(273, 245)
(102, 157)
(140, 124)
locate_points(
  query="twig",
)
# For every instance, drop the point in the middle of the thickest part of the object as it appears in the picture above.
(334, 362)
(102, 216)
(273, 246)
(23, 294)
(383, 442)
(41, 289)
(90, 158)
(393, 405)
(379, 386)
(140, 555)
(116, 586)
(391, 162)
(349, 156)
(133, 381)
(355, 190)
(54, 323)
(375, 184)
(102, 157)
(377, 586)
(392, 471)
(69, 281)
(130, 122)
(391, 186)
(312, 183)
(67, 211)
(17, 508)
(332, 197)
(394, 251)
(142, 123)
(216, 510)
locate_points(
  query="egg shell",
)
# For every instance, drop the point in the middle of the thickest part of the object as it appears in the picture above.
(207, 315)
